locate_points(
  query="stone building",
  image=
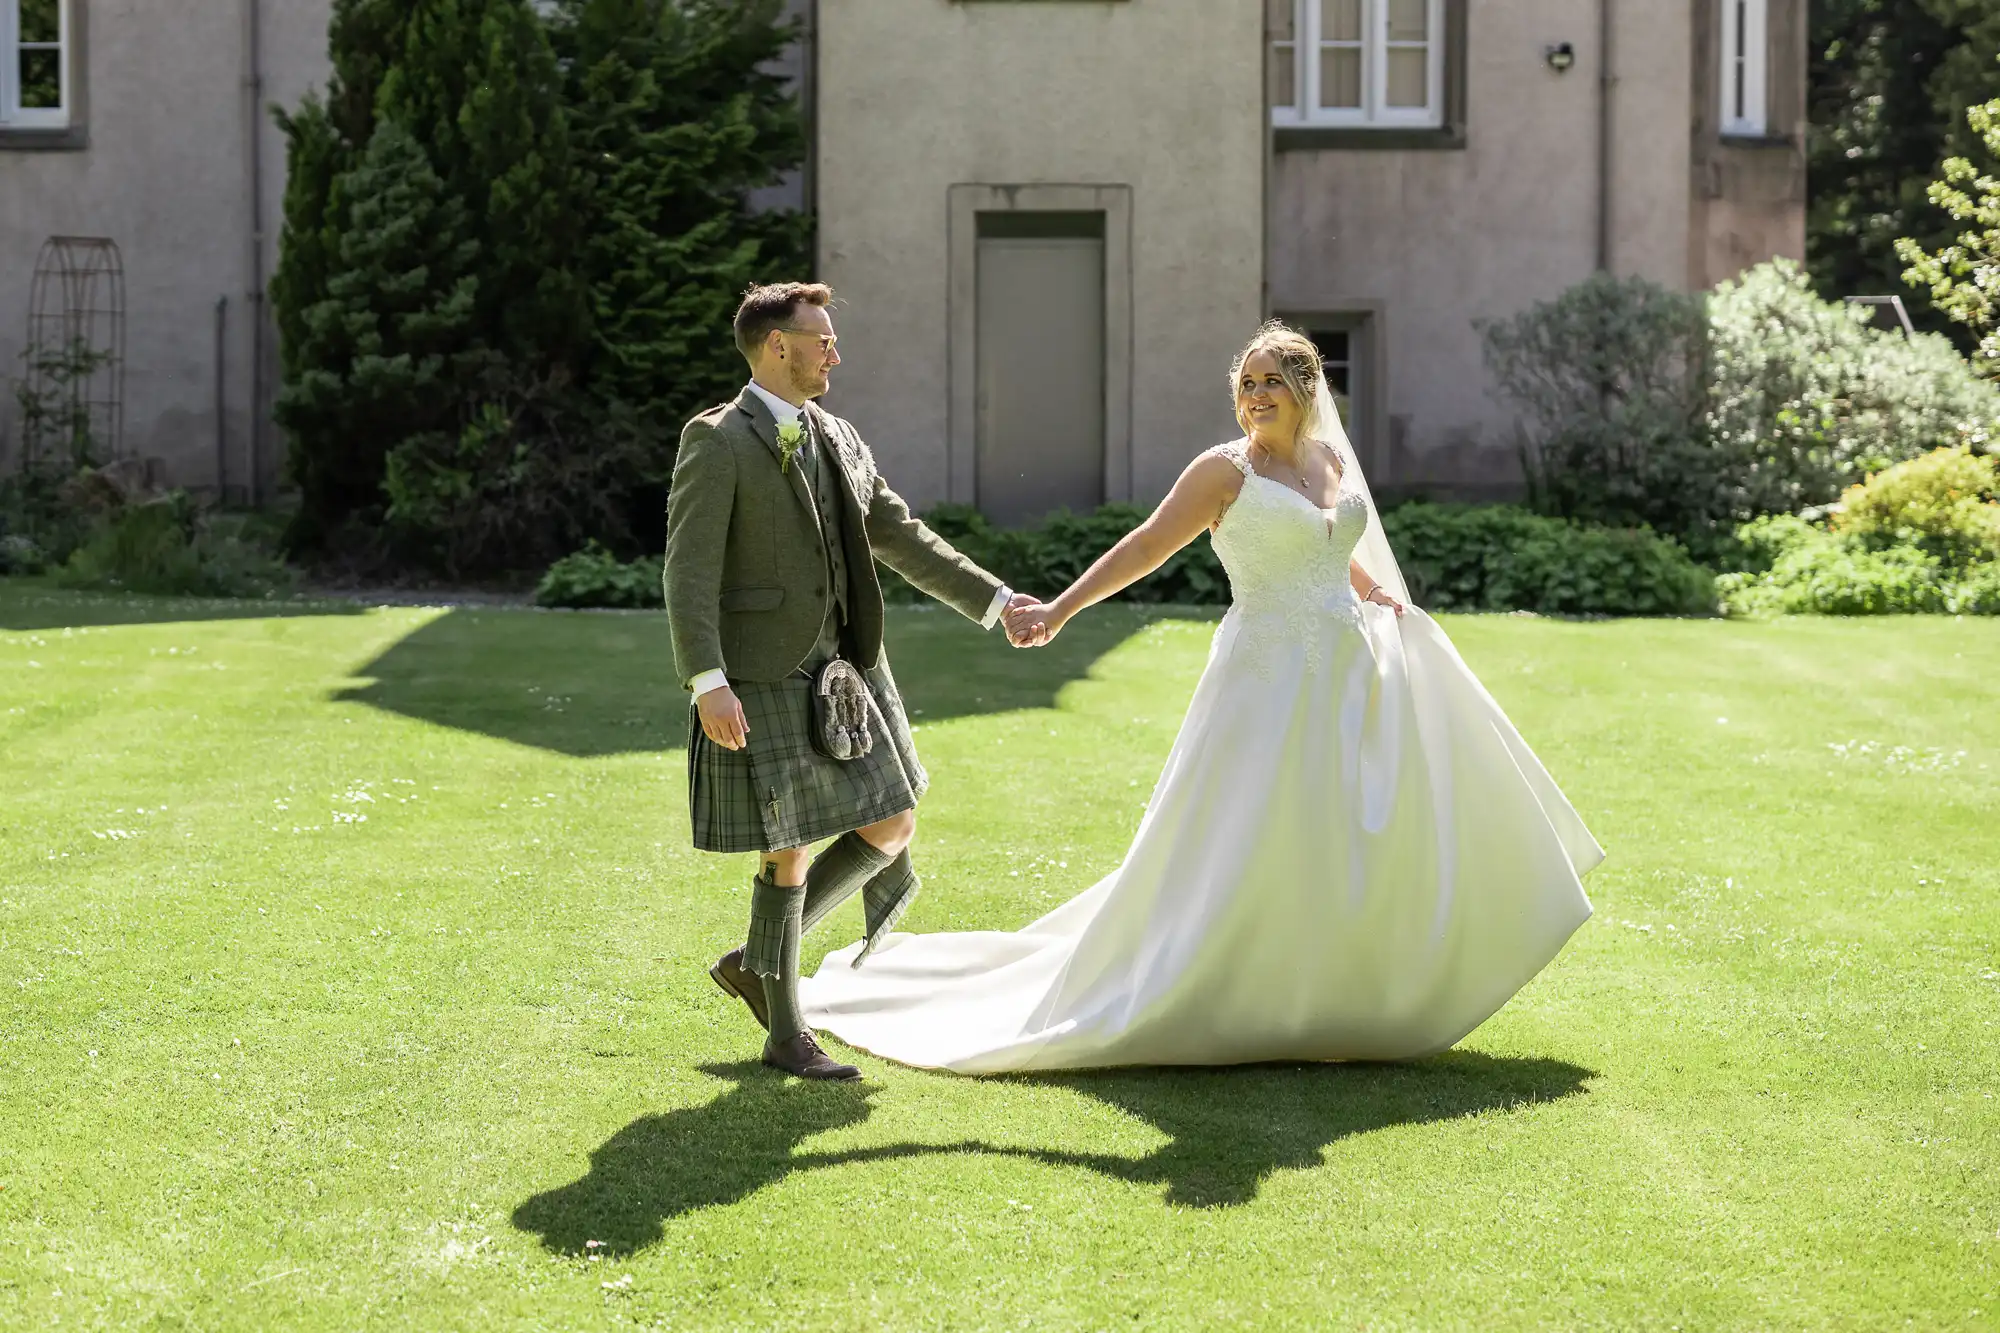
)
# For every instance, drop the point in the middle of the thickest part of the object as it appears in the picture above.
(1051, 221)
(159, 141)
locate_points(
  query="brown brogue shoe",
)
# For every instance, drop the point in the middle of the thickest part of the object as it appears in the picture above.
(737, 980)
(801, 1057)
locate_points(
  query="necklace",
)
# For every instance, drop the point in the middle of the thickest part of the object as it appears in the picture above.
(1298, 476)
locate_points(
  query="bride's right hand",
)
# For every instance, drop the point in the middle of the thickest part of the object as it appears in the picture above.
(1381, 596)
(1033, 626)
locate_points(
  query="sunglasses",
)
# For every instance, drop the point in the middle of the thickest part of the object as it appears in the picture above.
(827, 341)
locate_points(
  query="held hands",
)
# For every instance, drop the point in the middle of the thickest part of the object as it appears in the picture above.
(722, 719)
(1031, 624)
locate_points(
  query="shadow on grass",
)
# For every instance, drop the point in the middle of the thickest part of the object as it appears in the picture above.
(589, 685)
(662, 1166)
(582, 685)
(1228, 1131)
(35, 604)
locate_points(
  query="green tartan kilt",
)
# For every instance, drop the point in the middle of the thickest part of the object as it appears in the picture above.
(778, 792)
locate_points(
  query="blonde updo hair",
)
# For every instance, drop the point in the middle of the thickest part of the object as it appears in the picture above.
(1298, 365)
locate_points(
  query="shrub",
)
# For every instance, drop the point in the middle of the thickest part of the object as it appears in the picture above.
(106, 528)
(1457, 558)
(1504, 558)
(1978, 594)
(1806, 398)
(595, 577)
(44, 505)
(1941, 503)
(20, 555)
(1692, 415)
(1811, 571)
(40, 523)
(1834, 578)
(1043, 559)
(1610, 375)
(533, 470)
(167, 546)
(1048, 557)
(1746, 595)
(1850, 582)
(1760, 543)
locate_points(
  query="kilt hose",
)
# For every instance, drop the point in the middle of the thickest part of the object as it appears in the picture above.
(778, 792)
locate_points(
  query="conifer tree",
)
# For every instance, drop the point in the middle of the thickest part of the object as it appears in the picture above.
(326, 138)
(678, 118)
(385, 351)
(513, 238)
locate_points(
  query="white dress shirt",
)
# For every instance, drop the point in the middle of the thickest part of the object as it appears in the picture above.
(785, 413)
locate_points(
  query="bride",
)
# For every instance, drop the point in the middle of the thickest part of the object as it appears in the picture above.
(1351, 853)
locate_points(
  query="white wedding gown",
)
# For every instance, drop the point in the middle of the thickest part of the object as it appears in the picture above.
(1350, 855)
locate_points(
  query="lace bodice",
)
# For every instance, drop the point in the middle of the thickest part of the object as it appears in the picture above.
(1287, 558)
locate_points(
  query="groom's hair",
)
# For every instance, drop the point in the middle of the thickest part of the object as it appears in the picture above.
(771, 307)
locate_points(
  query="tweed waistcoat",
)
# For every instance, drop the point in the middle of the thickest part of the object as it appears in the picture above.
(832, 523)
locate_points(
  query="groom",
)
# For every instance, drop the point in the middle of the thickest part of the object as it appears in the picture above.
(774, 524)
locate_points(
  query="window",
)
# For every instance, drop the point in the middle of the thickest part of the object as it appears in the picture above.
(1344, 342)
(1357, 63)
(1336, 358)
(1745, 28)
(34, 64)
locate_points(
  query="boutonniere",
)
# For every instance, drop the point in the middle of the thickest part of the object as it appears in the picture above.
(791, 436)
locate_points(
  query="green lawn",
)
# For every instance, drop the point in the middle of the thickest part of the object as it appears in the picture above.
(352, 976)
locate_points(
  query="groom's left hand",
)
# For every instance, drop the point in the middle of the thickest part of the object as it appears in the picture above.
(1021, 632)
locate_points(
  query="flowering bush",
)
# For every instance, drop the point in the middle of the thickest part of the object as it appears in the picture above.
(1694, 414)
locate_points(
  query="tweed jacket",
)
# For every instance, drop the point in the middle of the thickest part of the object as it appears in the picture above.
(746, 569)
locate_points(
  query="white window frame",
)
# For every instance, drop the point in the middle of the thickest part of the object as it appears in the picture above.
(13, 115)
(1374, 112)
(1746, 33)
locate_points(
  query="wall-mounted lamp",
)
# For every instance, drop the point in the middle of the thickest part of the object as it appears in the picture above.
(1560, 56)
